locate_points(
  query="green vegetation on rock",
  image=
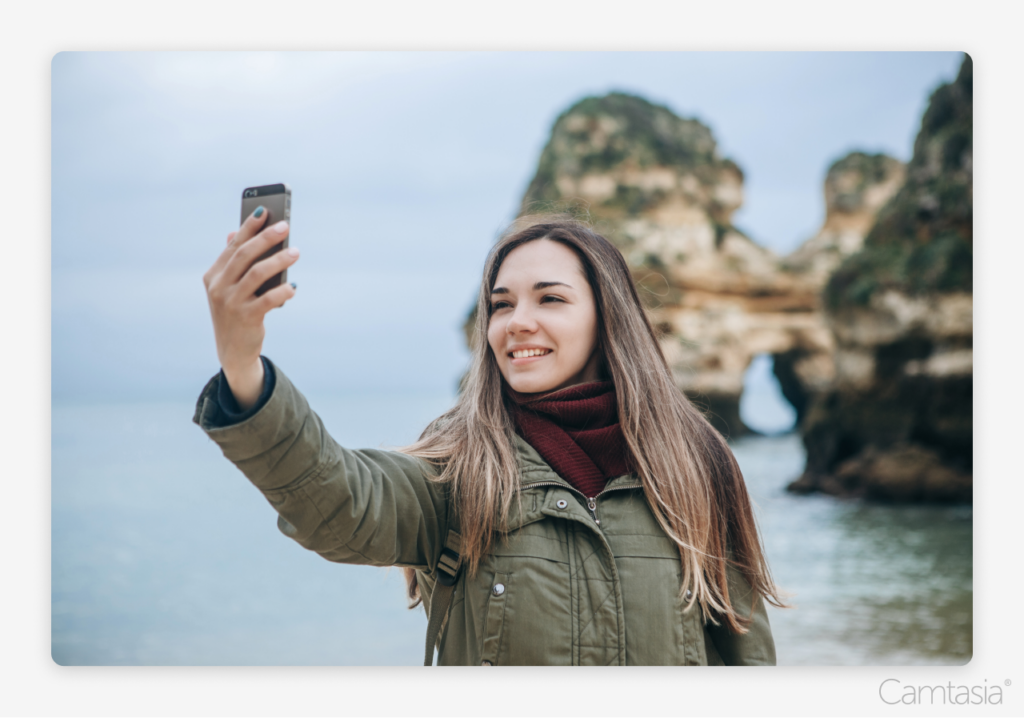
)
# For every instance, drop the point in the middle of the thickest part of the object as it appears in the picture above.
(868, 169)
(873, 168)
(600, 134)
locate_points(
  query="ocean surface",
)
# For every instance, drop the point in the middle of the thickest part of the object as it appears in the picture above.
(164, 554)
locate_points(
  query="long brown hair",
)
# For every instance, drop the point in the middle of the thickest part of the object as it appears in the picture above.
(690, 478)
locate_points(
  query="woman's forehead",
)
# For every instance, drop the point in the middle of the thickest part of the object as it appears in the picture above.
(528, 262)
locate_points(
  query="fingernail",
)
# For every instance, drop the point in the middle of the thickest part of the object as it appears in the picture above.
(259, 212)
(281, 226)
(293, 251)
(294, 285)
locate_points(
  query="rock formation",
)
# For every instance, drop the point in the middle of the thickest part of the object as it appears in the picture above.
(856, 188)
(655, 185)
(897, 422)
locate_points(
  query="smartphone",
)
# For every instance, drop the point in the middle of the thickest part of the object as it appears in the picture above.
(277, 201)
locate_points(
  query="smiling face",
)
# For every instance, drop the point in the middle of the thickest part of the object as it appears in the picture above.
(543, 323)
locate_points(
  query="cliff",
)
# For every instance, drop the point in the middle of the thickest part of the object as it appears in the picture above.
(897, 422)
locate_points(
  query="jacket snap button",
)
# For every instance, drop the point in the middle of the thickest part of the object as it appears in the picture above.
(561, 503)
(689, 593)
(485, 663)
(499, 588)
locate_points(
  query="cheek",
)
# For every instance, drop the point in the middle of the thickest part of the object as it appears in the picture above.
(584, 340)
(584, 336)
(494, 334)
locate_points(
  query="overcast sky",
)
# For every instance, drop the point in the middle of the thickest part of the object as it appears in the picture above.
(403, 166)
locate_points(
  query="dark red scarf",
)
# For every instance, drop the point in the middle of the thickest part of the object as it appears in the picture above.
(575, 430)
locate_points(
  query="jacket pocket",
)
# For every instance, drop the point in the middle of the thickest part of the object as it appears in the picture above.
(494, 622)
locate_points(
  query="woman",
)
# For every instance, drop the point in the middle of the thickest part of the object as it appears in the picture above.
(572, 508)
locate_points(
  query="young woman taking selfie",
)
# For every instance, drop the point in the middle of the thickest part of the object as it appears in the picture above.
(572, 508)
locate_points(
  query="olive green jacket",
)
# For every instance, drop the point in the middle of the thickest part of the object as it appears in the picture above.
(566, 586)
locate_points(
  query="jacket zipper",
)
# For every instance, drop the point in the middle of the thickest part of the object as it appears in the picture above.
(591, 502)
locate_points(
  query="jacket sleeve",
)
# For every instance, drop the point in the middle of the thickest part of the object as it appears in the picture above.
(756, 647)
(371, 507)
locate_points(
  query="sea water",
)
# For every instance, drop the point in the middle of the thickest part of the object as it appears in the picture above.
(164, 554)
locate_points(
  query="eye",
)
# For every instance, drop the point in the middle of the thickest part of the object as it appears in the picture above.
(495, 306)
(551, 298)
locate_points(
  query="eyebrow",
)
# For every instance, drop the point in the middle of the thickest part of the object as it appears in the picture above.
(536, 287)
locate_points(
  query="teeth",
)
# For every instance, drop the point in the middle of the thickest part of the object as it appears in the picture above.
(523, 353)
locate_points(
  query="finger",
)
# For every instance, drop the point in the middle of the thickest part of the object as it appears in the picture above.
(250, 226)
(275, 298)
(267, 268)
(251, 251)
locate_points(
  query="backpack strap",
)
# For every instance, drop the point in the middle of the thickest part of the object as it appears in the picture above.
(441, 597)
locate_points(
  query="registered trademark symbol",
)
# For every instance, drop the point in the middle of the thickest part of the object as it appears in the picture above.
(1007, 681)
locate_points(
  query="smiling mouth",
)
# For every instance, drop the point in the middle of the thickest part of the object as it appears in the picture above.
(527, 353)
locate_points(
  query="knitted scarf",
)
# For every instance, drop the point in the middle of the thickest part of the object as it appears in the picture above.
(575, 430)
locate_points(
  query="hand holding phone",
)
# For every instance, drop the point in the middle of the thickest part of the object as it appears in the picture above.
(246, 281)
(276, 199)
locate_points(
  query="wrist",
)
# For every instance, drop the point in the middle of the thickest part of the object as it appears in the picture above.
(245, 382)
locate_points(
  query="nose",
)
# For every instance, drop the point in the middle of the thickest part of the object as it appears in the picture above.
(522, 320)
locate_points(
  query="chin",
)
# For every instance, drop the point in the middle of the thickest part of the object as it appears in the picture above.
(532, 385)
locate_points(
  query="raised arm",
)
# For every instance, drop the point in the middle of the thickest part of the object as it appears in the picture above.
(367, 506)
